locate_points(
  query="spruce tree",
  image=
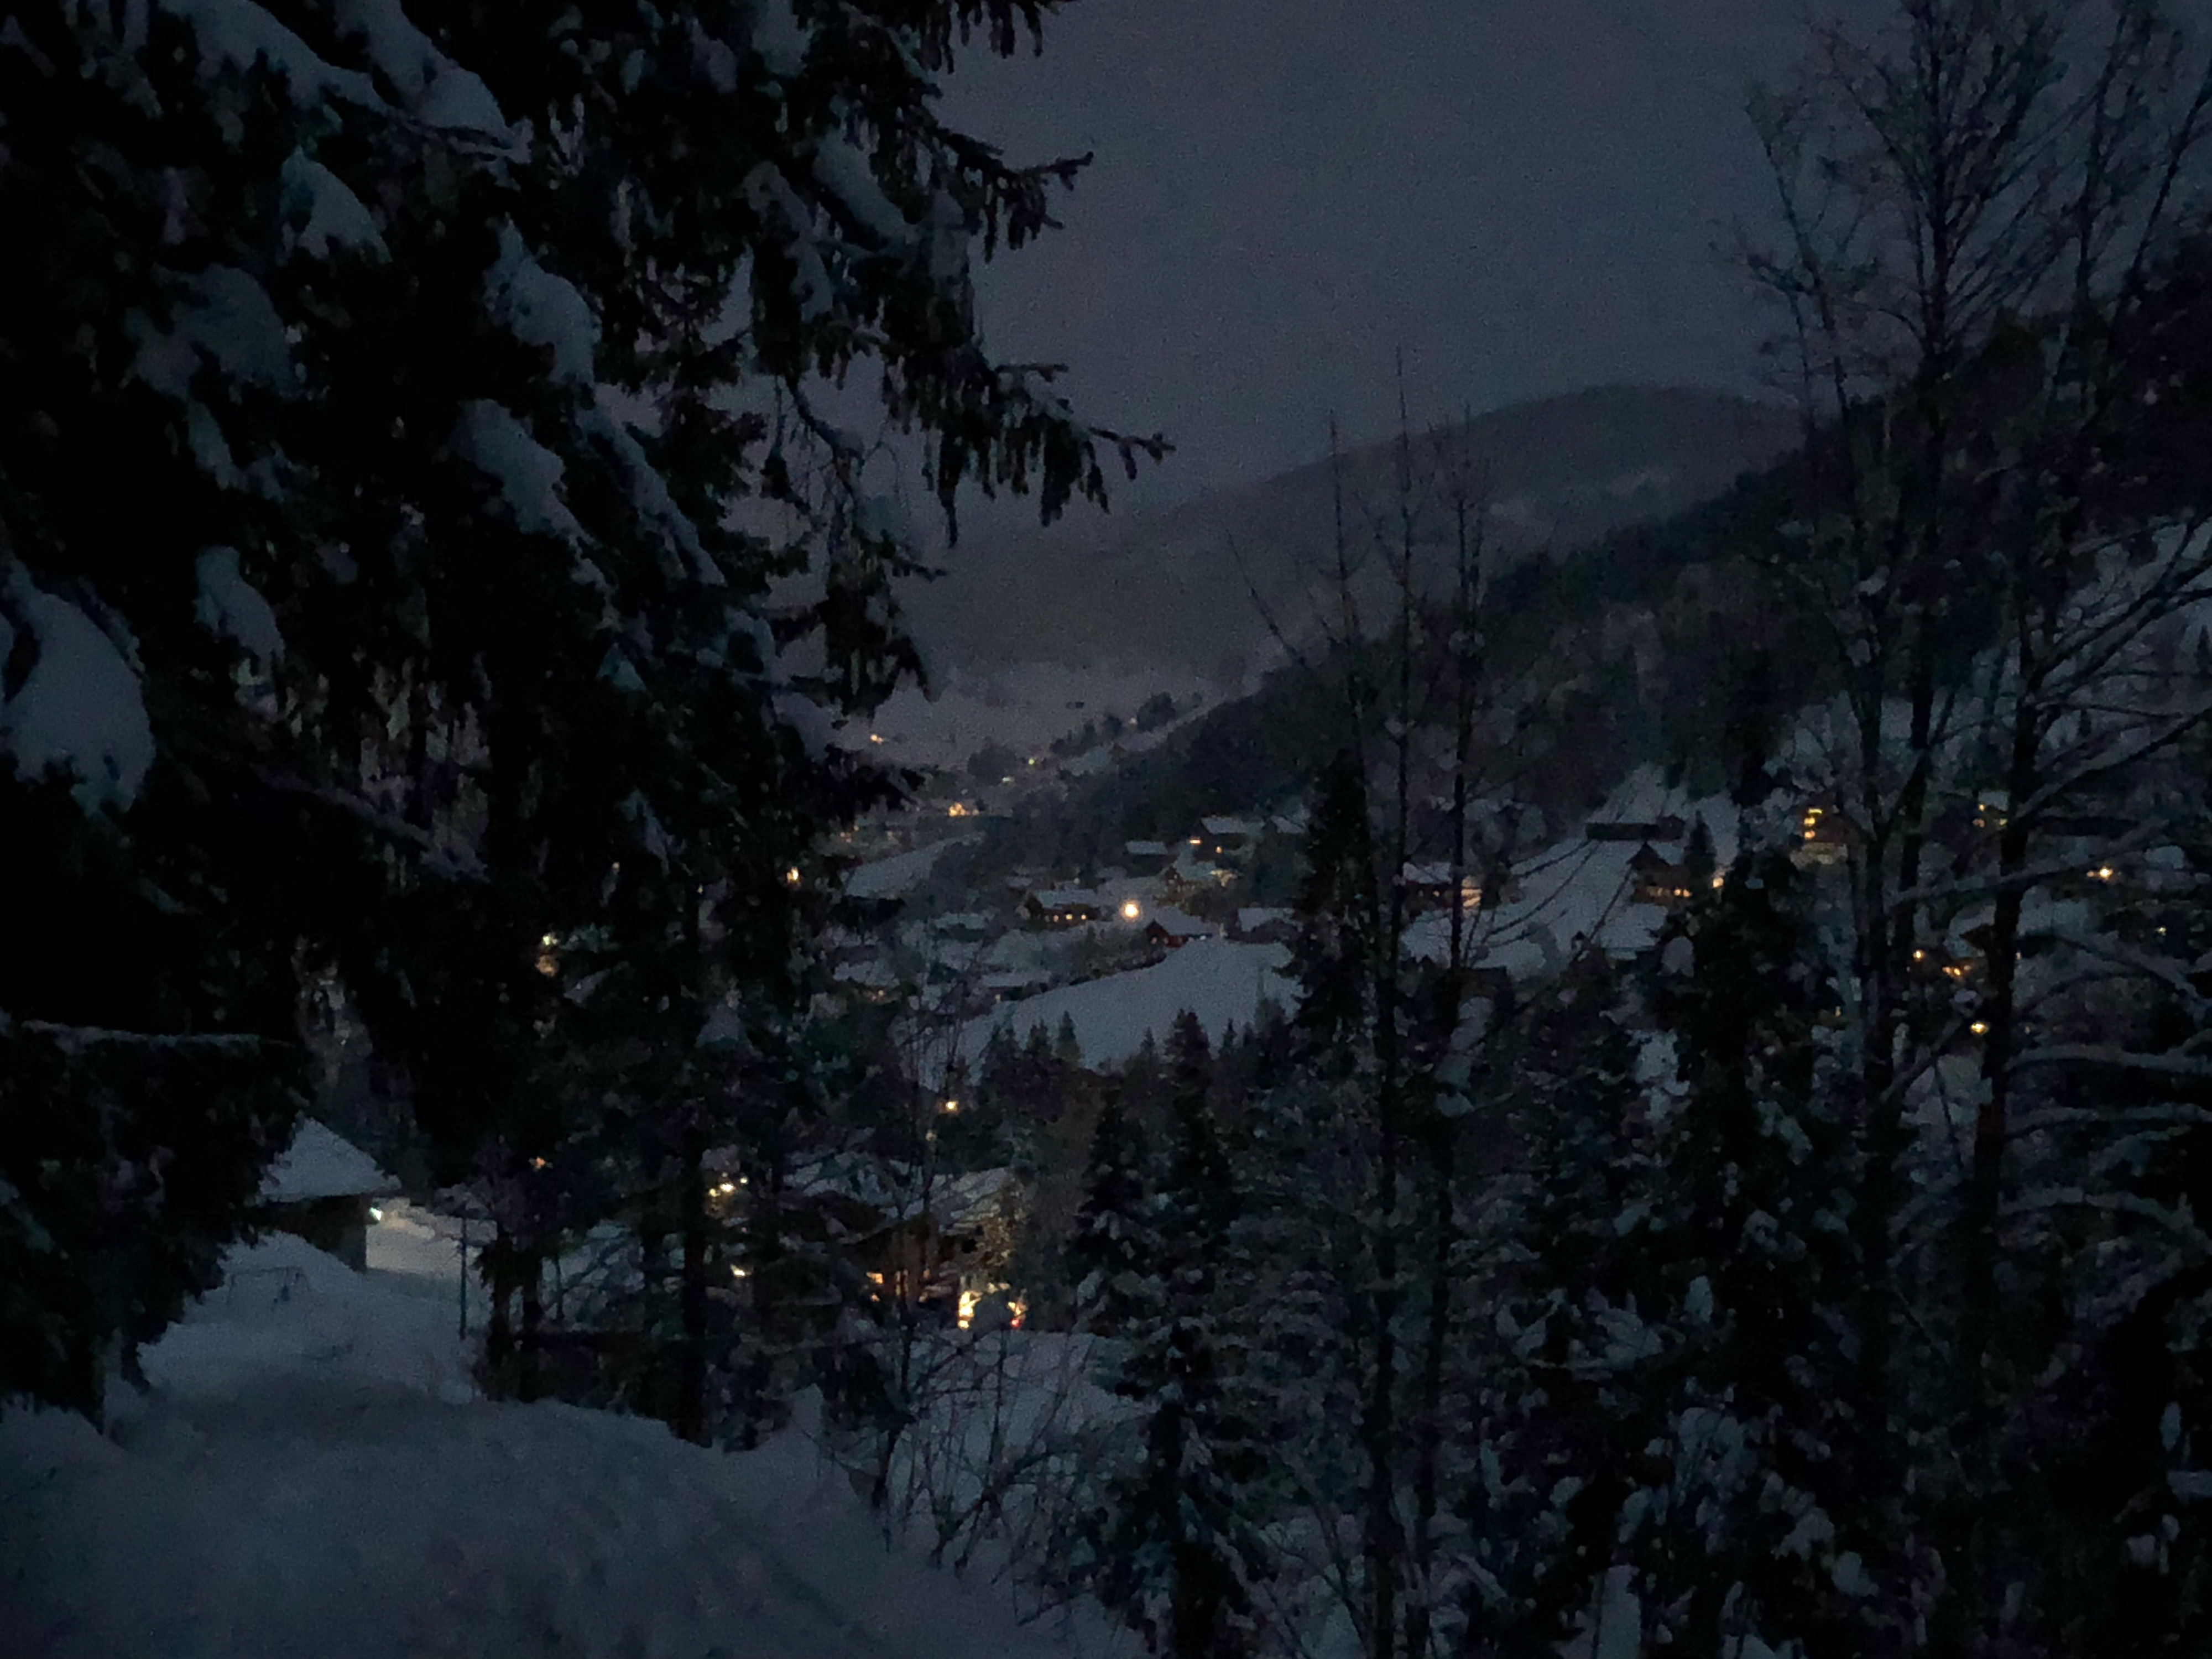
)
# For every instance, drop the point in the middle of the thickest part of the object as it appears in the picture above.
(1110, 1254)
(427, 638)
(1176, 1546)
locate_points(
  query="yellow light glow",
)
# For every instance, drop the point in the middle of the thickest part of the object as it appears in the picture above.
(1979, 1028)
(958, 809)
(968, 1301)
(875, 737)
(951, 1106)
(726, 1188)
(1131, 909)
(2102, 873)
(791, 877)
(1920, 956)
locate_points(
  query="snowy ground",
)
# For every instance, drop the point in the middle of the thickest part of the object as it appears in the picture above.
(311, 1474)
(1223, 982)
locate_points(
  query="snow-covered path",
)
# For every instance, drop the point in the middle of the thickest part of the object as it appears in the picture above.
(306, 1479)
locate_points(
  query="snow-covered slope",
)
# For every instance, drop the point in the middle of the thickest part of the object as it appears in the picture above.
(1220, 981)
(309, 1476)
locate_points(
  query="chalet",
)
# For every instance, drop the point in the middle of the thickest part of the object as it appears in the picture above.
(1189, 874)
(1227, 837)
(1002, 983)
(1171, 930)
(939, 1241)
(1824, 833)
(1149, 856)
(321, 1190)
(1639, 829)
(1063, 906)
(1429, 886)
(1655, 878)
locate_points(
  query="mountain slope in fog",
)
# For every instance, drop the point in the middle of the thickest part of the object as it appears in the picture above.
(1192, 588)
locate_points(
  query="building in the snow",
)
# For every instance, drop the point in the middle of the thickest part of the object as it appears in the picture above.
(1823, 833)
(322, 1189)
(1063, 906)
(1655, 878)
(1172, 930)
(1263, 924)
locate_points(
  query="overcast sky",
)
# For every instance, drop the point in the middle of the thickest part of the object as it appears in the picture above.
(1529, 196)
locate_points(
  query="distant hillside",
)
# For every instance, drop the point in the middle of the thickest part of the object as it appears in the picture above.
(1175, 589)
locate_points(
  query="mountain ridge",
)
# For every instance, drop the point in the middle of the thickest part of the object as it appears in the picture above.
(1207, 585)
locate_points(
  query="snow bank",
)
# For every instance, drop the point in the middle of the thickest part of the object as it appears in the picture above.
(306, 1475)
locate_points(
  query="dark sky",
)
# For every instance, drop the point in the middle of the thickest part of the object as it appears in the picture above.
(1529, 196)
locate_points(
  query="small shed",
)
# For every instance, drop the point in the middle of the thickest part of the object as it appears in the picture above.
(320, 1189)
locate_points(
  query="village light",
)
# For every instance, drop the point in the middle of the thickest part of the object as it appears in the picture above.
(791, 877)
(1979, 1028)
(951, 1106)
(726, 1188)
(1131, 909)
(2102, 873)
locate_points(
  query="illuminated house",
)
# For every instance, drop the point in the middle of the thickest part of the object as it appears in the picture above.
(1063, 906)
(1824, 833)
(1654, 878)
(1172, 930)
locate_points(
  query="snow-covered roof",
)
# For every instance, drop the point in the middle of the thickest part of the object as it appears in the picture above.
(1226, 827)
(1429, 875)
(1177, 925)
(1260, 915)
(320, 1165)
(1146, 849)
(1063, 898)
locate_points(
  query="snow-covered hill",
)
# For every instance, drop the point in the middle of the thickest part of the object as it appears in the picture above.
(310, 1474)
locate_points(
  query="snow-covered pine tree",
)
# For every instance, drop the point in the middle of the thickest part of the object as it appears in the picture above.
(351, 298)
(1554, 1387)
(1176, 1546)
(1762, 1531)
(1110, 1254)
